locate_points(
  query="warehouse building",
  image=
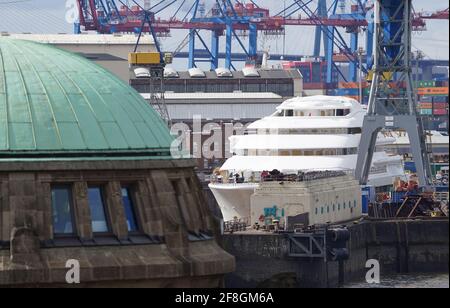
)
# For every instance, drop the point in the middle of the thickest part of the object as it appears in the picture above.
(107, 50)
(220, 106)
(206, 108)
(286, 83)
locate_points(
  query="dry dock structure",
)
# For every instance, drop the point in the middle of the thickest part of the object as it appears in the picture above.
(400, 246)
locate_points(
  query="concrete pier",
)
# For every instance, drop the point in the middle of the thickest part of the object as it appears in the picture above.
(402, 246)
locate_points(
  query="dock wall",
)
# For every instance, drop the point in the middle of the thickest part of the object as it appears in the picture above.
(406, 246)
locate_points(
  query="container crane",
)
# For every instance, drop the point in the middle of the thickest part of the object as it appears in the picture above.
(229, 18)
(151, 65)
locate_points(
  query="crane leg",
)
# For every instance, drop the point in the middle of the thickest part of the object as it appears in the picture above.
(367, 148)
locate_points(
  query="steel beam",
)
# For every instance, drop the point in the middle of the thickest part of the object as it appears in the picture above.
(228, 45)
(192, 34)
(387, 110)
(353, 68)
(215, 39)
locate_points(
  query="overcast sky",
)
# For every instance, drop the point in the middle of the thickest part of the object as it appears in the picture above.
(48, 16)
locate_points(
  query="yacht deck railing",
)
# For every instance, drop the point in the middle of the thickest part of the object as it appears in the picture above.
(276, 176)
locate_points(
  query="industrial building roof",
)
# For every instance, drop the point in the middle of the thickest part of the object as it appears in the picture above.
(244, 74)
(57, 104)
(81, 39)
(214, 96)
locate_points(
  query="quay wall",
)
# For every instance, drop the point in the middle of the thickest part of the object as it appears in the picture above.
(401, 246)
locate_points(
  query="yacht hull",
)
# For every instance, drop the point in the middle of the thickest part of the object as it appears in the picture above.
(234, 199)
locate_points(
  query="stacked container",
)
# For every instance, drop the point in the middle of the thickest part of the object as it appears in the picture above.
(426, 105)
(433, 100)
(351, 90)
(440, 105)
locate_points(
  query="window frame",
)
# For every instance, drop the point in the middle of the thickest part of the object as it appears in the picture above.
(101, 187)
(74, 233)
(131, 187)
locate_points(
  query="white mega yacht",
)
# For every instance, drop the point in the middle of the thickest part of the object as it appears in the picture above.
(314, 133)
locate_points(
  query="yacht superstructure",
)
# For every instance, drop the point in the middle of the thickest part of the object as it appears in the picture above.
(315, 133)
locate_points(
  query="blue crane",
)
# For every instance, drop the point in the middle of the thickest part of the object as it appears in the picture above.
(230, 18)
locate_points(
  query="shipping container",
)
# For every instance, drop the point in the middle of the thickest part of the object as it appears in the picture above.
(427, 84)
(426, 111)
(352, 85)
(315, 86)
(440, 111)
(426, 99)
(440, 105)
(433, 91)
(313, 92)
(347, 92)
(356, 98)
(312, 71)
(441, 83)
(440, 99)
(144, 58)
(425, 105)
(397, 85)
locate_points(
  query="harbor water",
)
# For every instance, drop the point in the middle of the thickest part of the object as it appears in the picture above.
(407, 281)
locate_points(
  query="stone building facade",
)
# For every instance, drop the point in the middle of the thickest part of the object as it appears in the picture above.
(85, 184)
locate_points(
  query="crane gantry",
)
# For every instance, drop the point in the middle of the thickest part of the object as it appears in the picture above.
(232, 19)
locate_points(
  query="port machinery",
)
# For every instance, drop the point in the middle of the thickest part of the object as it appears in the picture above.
(232, 18)
(393, 61)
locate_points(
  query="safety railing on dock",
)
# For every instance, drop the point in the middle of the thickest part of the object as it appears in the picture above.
(277, 176)
(237, 225)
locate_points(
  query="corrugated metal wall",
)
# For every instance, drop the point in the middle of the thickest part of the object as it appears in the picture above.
(221, 111)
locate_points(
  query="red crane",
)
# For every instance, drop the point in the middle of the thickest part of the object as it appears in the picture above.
(130, 19)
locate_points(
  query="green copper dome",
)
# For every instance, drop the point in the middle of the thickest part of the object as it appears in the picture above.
(57, 104)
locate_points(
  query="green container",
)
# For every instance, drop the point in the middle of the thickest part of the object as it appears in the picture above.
(426, 111)
(427, 84)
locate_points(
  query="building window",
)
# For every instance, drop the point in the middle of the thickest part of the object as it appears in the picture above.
(317, 210)
(62, 208)
(98, 213)
(130, 212)
(334, 207)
